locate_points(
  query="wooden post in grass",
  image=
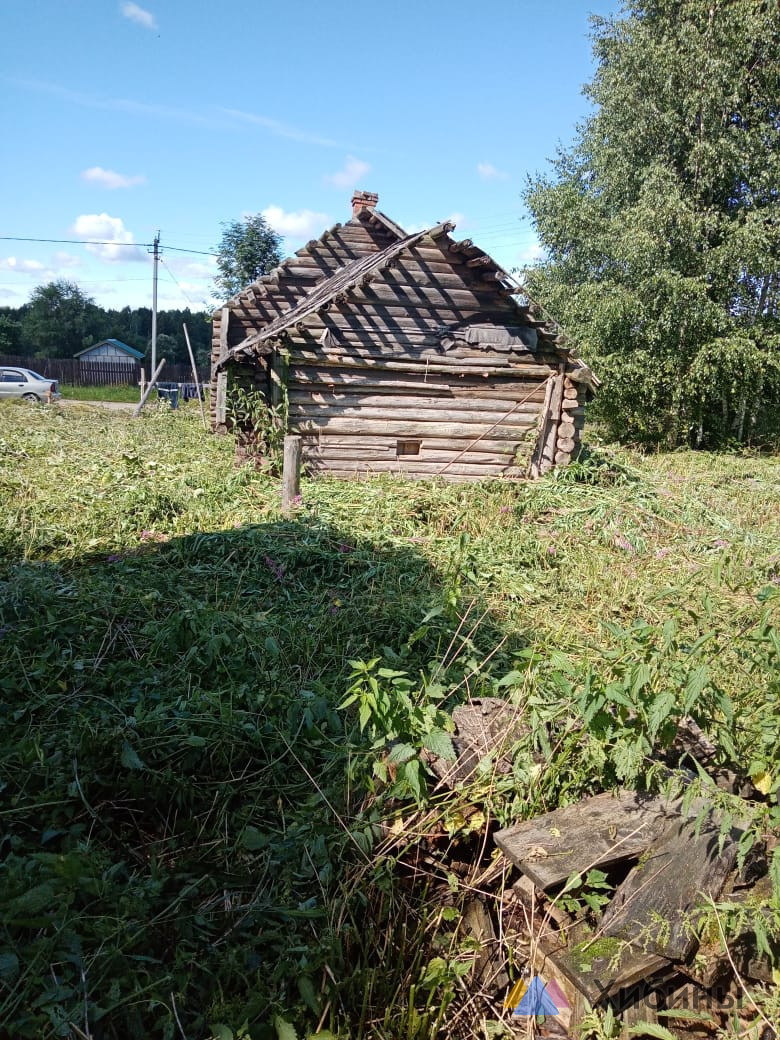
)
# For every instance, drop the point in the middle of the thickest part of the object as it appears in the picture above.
(291, 472)
(149, 388)
(195, 377)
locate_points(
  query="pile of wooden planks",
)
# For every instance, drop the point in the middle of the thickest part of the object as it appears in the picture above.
(644, 955)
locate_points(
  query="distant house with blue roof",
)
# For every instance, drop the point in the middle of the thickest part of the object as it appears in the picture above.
(111, 351)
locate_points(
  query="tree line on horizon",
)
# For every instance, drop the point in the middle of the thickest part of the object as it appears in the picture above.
(60, 320)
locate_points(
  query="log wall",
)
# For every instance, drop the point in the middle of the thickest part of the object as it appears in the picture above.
(358, 420)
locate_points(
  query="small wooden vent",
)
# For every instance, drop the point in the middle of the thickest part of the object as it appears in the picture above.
(403, 448)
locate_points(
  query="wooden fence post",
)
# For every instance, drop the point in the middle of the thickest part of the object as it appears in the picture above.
(149, 387)
(195, 377)
(291, 472)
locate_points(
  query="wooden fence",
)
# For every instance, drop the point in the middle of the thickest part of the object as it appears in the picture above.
(74, 372)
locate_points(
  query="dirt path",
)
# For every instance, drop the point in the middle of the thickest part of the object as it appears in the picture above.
(116, 406)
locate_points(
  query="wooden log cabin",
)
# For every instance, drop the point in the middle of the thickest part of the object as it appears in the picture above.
(398, 353)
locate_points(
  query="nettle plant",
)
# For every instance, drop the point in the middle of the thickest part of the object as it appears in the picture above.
(260, 427)
(400, 717)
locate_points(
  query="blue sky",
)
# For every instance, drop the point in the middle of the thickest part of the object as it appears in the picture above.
(121, 118)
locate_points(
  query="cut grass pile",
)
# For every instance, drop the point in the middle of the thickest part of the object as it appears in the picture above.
(190, 823)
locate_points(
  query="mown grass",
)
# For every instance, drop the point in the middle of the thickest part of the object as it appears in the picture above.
(197, 840)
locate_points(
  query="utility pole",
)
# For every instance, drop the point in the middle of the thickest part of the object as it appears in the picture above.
(156, 254)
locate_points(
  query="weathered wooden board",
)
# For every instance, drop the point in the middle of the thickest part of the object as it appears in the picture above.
(493, 405)
(600, 970)
(361, 318)
(384, 447)
(417, 344)
(446, 476)
(373, 353)
(483, 726)
(307, 269)
(221, 399)
(595, 832)
(323, 440)
(421, 469)
(329, 258)
(408, 428)
(544, 420)
(465, 367)
(569, 1017)
(382, 313)
(311, 380)
(653, 905)
(551, 435)
(413, 276)
(370, 456)
(479, 390)
(427, 296)
(514, 416)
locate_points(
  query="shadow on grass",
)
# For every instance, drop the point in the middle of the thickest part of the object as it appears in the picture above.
(181, 798)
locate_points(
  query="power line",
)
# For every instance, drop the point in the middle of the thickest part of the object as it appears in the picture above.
(198, 252)
(98, 242)
(88, 281)
(181, 290)
(489, 232)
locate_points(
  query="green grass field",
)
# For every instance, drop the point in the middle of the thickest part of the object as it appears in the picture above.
(129, 394)
(202, 839)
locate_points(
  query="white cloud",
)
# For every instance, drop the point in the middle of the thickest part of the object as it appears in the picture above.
(275, 126)
(116, 242)
(349, 175)
(488, 172)
(59, 266)
(193, 268)
(12, 263)
(531, 254)
(111, 179)
(66, 260)
(456, 218)
(214, 117)
(304, 223)
(138, 15)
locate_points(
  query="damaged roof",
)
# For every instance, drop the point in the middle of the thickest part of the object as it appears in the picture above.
(361, 271)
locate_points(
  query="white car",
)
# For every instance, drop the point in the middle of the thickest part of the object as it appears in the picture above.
(23, 382)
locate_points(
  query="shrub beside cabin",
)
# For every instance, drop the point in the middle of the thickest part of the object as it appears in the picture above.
(396, 353)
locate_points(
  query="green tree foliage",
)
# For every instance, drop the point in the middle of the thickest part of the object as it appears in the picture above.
(58, 320)
(10, 333)
(248, 249)
(661, 223)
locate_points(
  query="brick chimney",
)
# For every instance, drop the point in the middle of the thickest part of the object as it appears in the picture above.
(363, 200)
